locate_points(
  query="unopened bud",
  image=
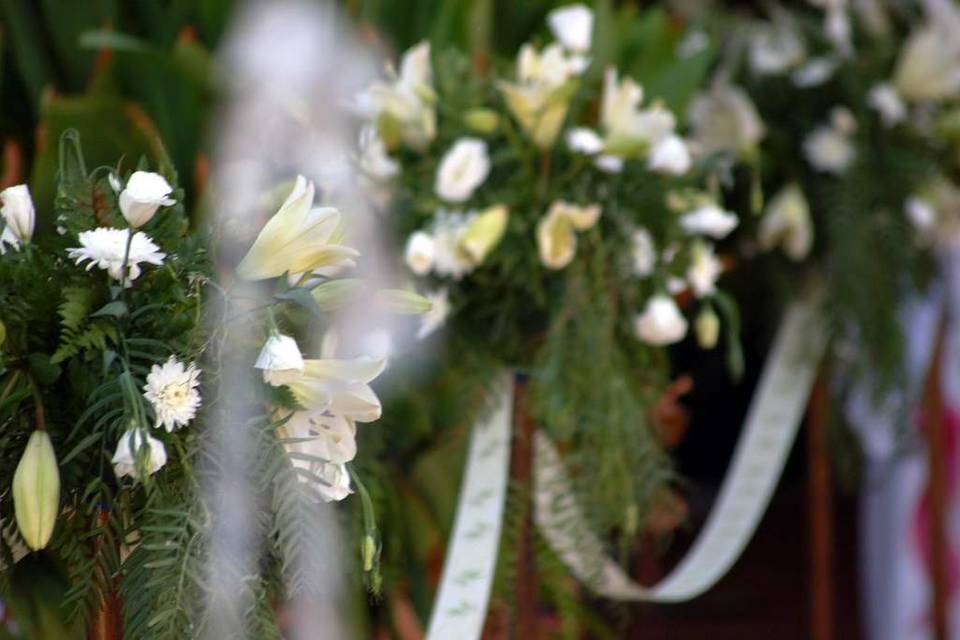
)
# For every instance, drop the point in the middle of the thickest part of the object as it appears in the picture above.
(402, 301)
(484, 232)
(369, 552)
(36, 491)
(707, 326)
(484, 121)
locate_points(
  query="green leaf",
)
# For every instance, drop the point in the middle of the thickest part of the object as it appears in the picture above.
(115, 309)
(81, 447)
(302, 297)
(43, 369)
(731, 315)
(104, 39)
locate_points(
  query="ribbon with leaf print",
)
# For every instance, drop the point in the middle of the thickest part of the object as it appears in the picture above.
(461, 604)
(772, 422)
(771, 426)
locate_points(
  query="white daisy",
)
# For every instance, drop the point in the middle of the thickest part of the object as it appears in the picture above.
(172, 390)
(105, 248)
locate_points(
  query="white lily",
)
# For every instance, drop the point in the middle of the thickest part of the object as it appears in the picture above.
(340, 387)
(540, 96)
(556, 239)
(297, 239)
(404, 107)
(786, 222)
(331, 438)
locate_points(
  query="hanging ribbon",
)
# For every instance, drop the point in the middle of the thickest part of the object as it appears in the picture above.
(461, 604)
(758, 460)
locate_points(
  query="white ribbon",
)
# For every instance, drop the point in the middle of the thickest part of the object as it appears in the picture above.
(461, 604)
(758, 460)
(771, 426)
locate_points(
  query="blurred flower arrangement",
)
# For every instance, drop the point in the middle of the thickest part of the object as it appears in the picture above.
(558, 220)
(109, 372)
(847, 115)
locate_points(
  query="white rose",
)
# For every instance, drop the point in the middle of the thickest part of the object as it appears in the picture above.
(18, 213)
(709, 220)
(280, 360)
(131, 442)
(670, 156)
(572, 26)
(464, 168)
(144, 194)
(420, 252)
(661, 322)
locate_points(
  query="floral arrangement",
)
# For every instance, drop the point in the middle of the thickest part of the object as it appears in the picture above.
(846, 115)
(109, 375)
(562, 225)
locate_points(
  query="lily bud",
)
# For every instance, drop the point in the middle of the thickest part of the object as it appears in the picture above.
(484, 232)
(485, 121)
(36, 491)
(369, 552)
(707, 326)
(402, 301)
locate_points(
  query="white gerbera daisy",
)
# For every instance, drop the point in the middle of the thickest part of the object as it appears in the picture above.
(105, 248)
(172, 390)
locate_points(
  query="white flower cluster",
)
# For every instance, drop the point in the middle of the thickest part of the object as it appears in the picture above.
(335, 394)
(120, 252)
(171, 390)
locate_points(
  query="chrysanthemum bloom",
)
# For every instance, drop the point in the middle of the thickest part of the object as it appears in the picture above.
(105, 248)
(172, 390)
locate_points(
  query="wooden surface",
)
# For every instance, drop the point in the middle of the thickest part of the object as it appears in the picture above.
(820, 517)
(521, 477)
